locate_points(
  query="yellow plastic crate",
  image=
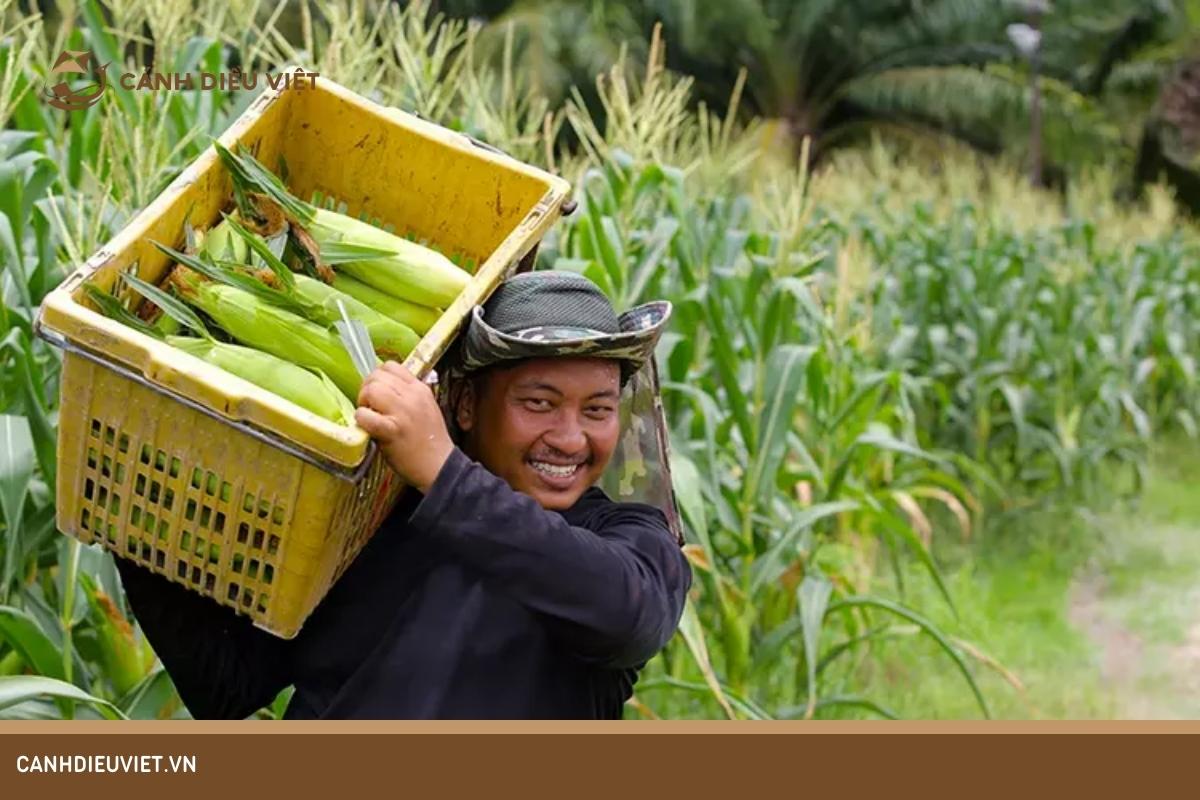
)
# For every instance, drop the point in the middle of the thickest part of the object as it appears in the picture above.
(216, 483)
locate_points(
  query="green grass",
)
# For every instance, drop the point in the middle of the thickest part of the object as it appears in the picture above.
(1023, 599)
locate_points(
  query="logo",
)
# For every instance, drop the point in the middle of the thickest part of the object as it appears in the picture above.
(69, 64)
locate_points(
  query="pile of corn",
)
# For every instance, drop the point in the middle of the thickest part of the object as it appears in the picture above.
(269, 277)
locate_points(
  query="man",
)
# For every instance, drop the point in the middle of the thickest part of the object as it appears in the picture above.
(504, 585)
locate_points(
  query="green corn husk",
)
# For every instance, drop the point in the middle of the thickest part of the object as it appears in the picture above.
(271, 329)
(415, 273)
(311, 391)
(221, 242)
(167, 325)
(315, 299)
(419, 318)
(390, 339)
(397, 266)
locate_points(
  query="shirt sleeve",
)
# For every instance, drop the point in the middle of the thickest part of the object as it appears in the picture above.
(613, 594)
(222, 666)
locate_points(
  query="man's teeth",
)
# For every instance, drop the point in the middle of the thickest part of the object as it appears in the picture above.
(554, 469)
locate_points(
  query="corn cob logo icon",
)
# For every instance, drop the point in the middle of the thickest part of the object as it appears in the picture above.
(68, 65)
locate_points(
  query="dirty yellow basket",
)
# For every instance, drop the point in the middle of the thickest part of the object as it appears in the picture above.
(210, 480)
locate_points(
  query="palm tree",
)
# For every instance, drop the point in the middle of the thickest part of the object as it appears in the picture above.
(832, 70)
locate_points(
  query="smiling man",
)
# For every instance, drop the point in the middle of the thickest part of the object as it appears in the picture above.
(507, 585)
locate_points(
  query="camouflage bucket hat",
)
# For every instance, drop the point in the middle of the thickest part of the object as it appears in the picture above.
(559, 314)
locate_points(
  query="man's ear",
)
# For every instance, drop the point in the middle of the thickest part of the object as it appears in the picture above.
(464, 413)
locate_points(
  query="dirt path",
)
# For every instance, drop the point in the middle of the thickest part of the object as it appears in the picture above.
(1139, 604)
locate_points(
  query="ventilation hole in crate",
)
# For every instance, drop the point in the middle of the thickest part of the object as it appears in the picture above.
(205, 516)
(226, 491)
(268, 573)
(252, 572)
(272, 545)
(181, 569)
(259, 535)
(219, 522)
(110, 435)
(96, 428)
(139, 485)
(185, 540)
(243, 533)
(131, 545)
(264, 509)
(248, 504)
(120, 473)
(106, 467)
(199, 550)
(146, 551)
(232, 592)
(239, 561)
(210, 484)
(147, 453)
(91, 459)
(84, 517)
(160, 558)
(115, 506)
(148, 521)
(197, 478)
(214, 553)
(160, 461)
(112, 533)
(189, 511)
(196, 575)
(102, 498)
(123, 443)
(176, 464)
(169, 499)
(163, 529)
(277, 515)
(262, 603)
(89, 488)
(135, 515)
(247, 598)
(210, 581)
(155, 491)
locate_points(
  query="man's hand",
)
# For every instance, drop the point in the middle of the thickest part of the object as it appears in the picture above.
(402, 415)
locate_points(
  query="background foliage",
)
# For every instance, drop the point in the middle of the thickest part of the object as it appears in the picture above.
(884, 337)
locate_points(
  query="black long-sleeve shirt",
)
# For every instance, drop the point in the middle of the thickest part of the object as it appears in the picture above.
(471, 601)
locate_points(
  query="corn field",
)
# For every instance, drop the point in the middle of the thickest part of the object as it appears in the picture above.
(862, 359)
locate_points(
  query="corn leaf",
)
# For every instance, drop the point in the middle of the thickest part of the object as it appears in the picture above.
(931, 630)
(25, 636)
(17, 689)
(249, 175)
(334, 253)
(260, 247)
(111, 307)
(174, 308)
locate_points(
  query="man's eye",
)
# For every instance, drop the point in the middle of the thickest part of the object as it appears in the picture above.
(599, 412)
(537, 404)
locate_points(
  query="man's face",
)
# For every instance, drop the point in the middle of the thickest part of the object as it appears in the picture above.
(547, 426)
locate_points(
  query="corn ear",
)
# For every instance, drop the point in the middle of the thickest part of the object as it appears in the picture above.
(222, 243)
(271, 329)
(311, 391)
(391, 339)
(419, 318)
(411, 272)
(414, 273)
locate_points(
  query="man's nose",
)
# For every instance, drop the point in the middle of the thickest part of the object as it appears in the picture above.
(567, 436)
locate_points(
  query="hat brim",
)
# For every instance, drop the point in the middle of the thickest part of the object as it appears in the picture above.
(641, 328)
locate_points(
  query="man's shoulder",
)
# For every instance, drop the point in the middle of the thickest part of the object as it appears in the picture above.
(595, 509)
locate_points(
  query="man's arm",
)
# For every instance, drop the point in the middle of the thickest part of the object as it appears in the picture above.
(222, 666)
(614, 594)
